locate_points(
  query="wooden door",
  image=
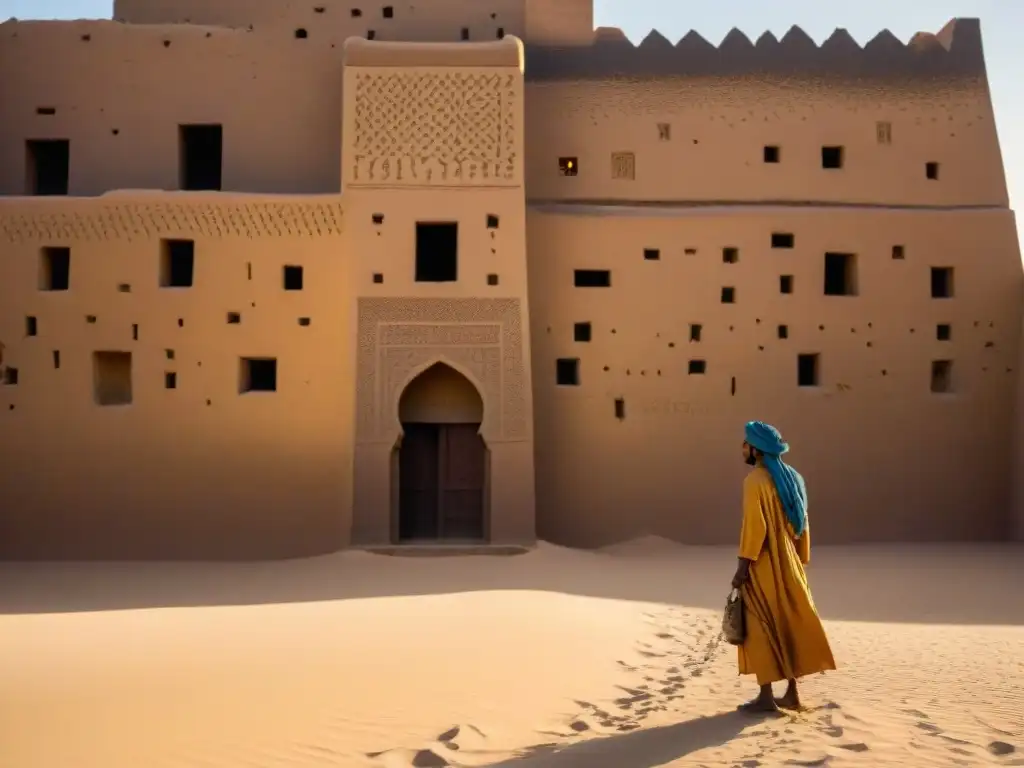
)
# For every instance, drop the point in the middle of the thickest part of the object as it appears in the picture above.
(418, 478)
(462, 475)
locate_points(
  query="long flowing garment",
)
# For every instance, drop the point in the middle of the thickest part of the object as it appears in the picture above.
(785, 637)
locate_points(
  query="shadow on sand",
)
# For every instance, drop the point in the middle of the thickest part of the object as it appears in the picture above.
(927, 584)
(638, 749)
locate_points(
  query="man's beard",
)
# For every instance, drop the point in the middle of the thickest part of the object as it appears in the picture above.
(751, 459)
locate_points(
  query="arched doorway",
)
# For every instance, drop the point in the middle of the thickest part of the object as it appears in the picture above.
(442, 460)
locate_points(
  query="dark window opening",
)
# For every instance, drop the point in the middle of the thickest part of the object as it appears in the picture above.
(696, 367)
(10, 376)
(620, 408)
(55, 269)
(169, 354)
(378, 278)
(301, 34)
(31, 326)
(840, 274)
(785, 283)
(695, 330)
(651, 254)
(304, 322)
(292, 277)
(807, 370)
(56, 358)
(500, 34)
(356, 13)
(437, 252)
(371, 35)
(464, 34)
(112, 378)
(492, 279)
(46, 110)
(942, 282)
(728, 295)
(387, 12)
(567, 372)
(492, 221)
(730, 255)
(931, 171)
(47, 166)
(783, 240)
(135, 331)
(234, 318)
(771, 154)
(200, 156)
(592, 278)
(568, 166)
(783, 331)
(378, 218)
(732, 386)
(170, 380)
(943, 332)
(582, 332)
(942, 376)
(898, 252)
(258, 374)
(177, 263)
(832, 157)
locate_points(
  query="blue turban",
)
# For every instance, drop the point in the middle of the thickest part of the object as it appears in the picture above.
(788, 482)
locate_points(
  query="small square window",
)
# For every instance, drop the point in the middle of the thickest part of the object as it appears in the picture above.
(728, 295)
(899, 252)
(620, 408)
(387, 12)
(730, 255)
(785, 283)
(464, 34)
(664, 131)
(378, 278)
(170, 380)
(942, 376)
(492, 221)
(652, 254)
(293, 278)
(567, 372)
(31, 326)
(771, 154)
(695, 331)
(931, 171)
(582, 332)
(55, 269)
(10, 377)
(943, 332)
(832, 157)
(378, 218)
(492, 279)
(942, 282)
(783, 240)
(234, 318)
(696, 367)
(592, 278)
(807, 370)
(783, 331)
(568, 166)
(258, 374)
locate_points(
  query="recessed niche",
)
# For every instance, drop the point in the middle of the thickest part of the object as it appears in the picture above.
(112, 377)
(840, 274)
(883, 132)
(388, 12)
(568, 166)
(301, 34)
(651, 254)
(10, 377)
(728, 295)
(437, 252)
(378, 278)
(696, 367)
(378, 218)
(785, 283)
(695, 331)
(371, 35)
(492, 279)
(304, 321)
(899, 252)
(943, 332)
(169, 354)
(730, 255)
(31, 326)
(832, 157)
(592, 278)
(582, 332)
(931, 171)
(942, 282)
(567, 372)
(170, 380)
(492, 221)
(48, 165)
(620, 408)
(56, 358)
(500, 33)
(782, 331)
(234, 318)
(807, 373)
(783, 240)
(46, 110)
(356, 13)
(464, 33)
(664, 131)
(135, 331)
(258, 374)
(177, 263)
(292, 276)
(90, 319)
(124, 288)
(54, 268)
(942, 376)
(771, 154)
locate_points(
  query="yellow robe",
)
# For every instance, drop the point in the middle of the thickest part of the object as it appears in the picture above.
(785, 638)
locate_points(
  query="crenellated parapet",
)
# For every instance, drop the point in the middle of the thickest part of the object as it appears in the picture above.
(953, 53)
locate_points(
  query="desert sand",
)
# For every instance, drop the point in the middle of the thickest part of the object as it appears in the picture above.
(551, 659)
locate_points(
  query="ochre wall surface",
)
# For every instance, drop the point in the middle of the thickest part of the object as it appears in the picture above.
(200, 470)
(884, 457)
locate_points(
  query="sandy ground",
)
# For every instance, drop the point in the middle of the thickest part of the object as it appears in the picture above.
(554, 659)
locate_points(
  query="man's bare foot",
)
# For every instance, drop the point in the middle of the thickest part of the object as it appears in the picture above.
(760, 706)
(790, 700)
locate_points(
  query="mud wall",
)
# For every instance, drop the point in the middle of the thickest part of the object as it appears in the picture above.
(128, 430)
(885, 457)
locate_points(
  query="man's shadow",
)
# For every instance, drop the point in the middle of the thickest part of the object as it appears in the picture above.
(638, 749)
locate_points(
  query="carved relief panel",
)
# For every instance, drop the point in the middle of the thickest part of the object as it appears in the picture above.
(436, 127)
(400, 337)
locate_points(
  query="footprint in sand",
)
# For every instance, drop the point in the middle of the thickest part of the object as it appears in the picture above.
(859, 746)
(1001, 748)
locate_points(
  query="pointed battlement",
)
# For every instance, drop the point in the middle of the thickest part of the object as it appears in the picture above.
(954, 52)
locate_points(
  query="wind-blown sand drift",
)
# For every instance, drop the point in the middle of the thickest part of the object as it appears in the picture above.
(554, 659)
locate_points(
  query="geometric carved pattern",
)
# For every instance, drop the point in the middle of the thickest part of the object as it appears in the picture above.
(63, 220)
(399, 336)
(447, 128)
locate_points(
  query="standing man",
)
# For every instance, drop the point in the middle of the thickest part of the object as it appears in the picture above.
(785, 639)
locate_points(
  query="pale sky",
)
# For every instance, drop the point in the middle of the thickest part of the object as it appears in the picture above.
(1002, 22)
